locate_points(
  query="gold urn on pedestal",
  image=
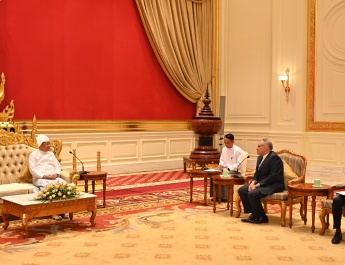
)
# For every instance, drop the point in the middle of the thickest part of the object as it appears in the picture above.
(206, 126)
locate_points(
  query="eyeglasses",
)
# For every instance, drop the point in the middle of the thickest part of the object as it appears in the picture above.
(260, 145)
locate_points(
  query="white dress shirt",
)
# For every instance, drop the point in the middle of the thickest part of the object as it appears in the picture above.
(231, 157)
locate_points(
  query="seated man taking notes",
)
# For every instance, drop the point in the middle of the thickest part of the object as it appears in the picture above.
(230, 159)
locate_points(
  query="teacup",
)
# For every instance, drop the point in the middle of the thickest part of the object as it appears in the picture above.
(317, 183)
(225, 173)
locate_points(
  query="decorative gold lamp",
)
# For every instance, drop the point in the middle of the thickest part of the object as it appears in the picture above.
(285, 82)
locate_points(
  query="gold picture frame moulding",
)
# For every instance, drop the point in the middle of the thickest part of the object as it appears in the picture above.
(86, 126)
(312, 124)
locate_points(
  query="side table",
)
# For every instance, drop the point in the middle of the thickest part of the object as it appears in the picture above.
(198, 173)
(196, 162)
(93, 176)
(306, 190)
(229, 182)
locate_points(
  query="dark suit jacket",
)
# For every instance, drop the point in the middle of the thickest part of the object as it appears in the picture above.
(270, 175)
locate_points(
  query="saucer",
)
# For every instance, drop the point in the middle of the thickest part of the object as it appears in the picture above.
(225, 176)
(317, 186)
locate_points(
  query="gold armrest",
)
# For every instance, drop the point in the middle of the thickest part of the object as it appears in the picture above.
(70, 176)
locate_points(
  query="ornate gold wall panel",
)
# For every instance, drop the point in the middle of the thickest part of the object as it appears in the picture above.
(106, 126)
(325, 108)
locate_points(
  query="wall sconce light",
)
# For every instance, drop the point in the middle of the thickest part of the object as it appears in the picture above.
(285, 83)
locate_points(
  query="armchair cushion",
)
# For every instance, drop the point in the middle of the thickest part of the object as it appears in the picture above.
(25, 174)
(281, 196)
(326, 204)
(289, 174)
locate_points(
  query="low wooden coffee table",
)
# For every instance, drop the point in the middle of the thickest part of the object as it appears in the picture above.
(24, 207)
(93, 176)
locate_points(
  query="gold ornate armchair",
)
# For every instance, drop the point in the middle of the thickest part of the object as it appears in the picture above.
(295, 166)
(15, 147)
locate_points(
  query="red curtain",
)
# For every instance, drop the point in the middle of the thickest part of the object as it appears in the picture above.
(83, 60)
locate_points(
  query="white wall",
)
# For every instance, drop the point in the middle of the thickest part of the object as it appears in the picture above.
(259, 39)
(127, 152)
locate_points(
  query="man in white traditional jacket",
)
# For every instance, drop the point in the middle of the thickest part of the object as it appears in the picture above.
(44, 167)
(230, 159)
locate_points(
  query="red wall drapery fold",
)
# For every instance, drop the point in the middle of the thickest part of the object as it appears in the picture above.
(83, 60)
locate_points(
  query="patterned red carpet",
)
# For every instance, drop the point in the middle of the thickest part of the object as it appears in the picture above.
(154, 223)
(125, 194)
(145, 179)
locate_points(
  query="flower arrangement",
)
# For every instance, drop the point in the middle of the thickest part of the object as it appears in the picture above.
(57, 191)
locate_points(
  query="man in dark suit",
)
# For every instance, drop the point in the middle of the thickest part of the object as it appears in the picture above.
(268, 179)
(337, 210)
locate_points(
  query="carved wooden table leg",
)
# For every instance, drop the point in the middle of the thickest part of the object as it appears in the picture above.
(93, 186)
(214, 197)
(4, 217)
(191, 189)
(322, 216)
(93, 210)
(205, 190)
(86, 186)
(25, 222)
(231, 198)
(227, 197)
(313, 205)
(104, 191)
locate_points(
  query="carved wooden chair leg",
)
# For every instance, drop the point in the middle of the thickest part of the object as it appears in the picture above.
(238, 205)
(265, 207)
(322, 216)
(283, 214)
(301, 212)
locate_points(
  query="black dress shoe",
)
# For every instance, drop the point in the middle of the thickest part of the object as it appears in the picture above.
(64, 216)
(337, 237)
(247, 220)
(260, 220)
